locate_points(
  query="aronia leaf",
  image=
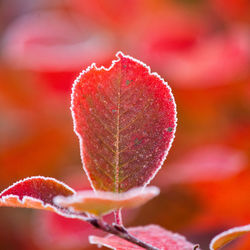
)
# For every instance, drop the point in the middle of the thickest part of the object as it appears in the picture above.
(37, 192)
(225, 237)
(101, 202)
(152, 234)
(125, 118)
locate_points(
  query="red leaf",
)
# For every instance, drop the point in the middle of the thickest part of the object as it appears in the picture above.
(35, 42)
(152, 234)
(36, 192)
(225, 237)
(100, 203)
(125, 119)
(209, 162)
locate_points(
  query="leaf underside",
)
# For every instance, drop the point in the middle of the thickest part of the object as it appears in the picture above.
(125, 118)
(104, 202)
(151, 234)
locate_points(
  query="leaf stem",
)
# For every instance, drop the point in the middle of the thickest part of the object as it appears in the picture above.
(119, 231)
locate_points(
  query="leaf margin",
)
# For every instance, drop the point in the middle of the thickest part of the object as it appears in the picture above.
(221, 240)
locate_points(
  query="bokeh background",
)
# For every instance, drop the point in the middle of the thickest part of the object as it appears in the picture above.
(201, 47)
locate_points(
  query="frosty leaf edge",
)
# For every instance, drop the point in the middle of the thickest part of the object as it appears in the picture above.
(13, 196)
(227, 236)
(100, 202)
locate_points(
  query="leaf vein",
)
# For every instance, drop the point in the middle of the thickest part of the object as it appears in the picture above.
(107, 161)
(138, 116)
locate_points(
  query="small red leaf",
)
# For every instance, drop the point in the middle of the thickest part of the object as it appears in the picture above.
(101, 202)
(152, 234)
(36, 192)
(225, 237)
(125, 119)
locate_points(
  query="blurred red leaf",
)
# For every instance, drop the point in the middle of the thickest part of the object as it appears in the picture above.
(193, 54)
(209, 162)
(52, 231)
(125, 119)
(152, 234)
(46, 41)
(100, 203)
(225, 237)
(55, 45)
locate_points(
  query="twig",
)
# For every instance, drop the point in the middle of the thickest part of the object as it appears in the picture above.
(119, 231)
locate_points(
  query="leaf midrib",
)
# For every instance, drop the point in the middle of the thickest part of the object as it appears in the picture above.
(117, 148)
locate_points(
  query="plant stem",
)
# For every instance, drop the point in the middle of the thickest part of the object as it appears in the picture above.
(119, 231)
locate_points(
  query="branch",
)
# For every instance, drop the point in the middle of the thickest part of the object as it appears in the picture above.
(119, 231)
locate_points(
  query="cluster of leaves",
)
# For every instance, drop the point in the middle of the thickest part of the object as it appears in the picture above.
(125, 119)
